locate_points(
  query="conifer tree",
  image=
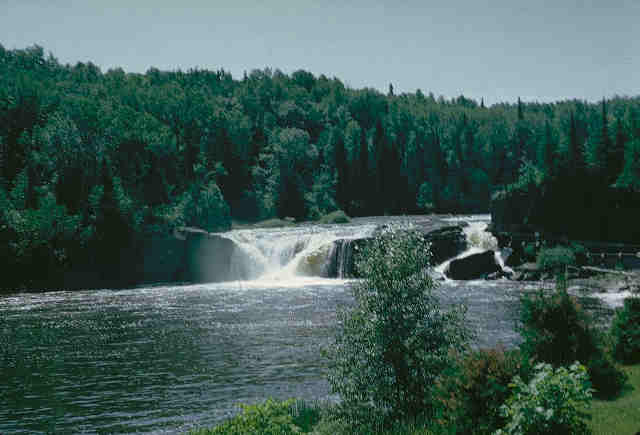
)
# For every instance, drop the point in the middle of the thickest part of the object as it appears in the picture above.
(342, 169)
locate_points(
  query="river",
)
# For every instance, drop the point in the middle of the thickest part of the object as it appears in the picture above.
(166, 359)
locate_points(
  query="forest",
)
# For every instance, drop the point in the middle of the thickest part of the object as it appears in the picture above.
(92, 162)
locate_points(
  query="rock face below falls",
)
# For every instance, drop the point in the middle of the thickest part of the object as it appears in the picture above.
(446, 242)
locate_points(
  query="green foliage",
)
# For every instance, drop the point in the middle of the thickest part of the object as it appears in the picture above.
(530, 177)
(320, 199)
(208, 210)
(425, 197)
(551, 403)
(630, 176)
(335, 217)
(555, 259)
(390, 347)
(625, 332)
(557, 330)
(471, 393)
(530, 251)
(278, 145)
(268, 418)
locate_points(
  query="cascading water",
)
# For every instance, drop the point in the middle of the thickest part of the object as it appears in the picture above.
(285, 253)
(478, 240)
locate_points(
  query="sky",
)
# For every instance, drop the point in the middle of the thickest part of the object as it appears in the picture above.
(498, 50)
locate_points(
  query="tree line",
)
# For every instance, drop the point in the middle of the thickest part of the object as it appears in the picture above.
(91, 161)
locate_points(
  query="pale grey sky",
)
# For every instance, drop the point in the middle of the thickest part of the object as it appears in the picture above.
(501, 49)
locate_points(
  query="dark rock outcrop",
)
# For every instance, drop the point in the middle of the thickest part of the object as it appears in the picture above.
(342, 256)
(474, 266)
(446, 242)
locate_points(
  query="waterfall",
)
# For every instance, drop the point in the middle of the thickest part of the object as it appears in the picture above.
(341, 256)
(285, 253)
(478, 240)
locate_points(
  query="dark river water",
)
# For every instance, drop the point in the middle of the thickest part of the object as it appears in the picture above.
(169, 359)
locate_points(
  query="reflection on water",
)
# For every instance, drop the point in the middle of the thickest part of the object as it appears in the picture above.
(166, 359)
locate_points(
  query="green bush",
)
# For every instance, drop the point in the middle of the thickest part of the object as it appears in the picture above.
(580, 252)
(335, 217)
(625, 332)
(268, 418)
(556, 258)
(551, 403)
(607, 379)
(530, 251)
(558, 331)
(470, 395)
(391, 346)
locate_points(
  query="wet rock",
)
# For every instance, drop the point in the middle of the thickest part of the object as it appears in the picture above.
(447, 242)
(474, 266)
(342, 257)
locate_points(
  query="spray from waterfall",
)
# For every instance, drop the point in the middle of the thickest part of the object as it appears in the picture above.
(286, 253)
(478, 240)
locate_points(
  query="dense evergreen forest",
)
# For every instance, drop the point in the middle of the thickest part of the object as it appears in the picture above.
(91, 162)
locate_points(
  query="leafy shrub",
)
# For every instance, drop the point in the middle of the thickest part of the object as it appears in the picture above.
(199, 206)
(471, 394)
(425, 198)
(269, 418)
(625, 332)
(558, 331)
(580, 252)
(607, 379)
(556, 258)
(335, 217)
(530, 251)
(550, 404)
(391, 346)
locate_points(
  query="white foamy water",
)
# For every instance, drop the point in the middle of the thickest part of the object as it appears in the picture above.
(478, 240)
(614, 300)
(286, 254)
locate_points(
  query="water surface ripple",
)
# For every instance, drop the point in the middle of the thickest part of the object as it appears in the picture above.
(167, 359)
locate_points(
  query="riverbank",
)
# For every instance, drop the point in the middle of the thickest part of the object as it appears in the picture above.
(622, 415)
(606, 417)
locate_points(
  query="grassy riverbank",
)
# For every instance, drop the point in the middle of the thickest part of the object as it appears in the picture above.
(622, 415)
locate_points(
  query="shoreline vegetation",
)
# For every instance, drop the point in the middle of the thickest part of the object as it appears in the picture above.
(94, 165)
(334, 217)
(568, 376)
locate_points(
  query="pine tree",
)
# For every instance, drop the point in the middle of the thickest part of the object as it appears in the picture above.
(549, 150)
(576, 153)
(364, 182)
(599, 147)
(342, 169)
(382, 175)
(615, 156)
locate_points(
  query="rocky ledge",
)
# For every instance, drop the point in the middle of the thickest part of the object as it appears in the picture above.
(446, 240)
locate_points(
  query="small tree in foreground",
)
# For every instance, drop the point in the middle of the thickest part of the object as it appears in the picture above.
(550, 404)
(391, 346)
